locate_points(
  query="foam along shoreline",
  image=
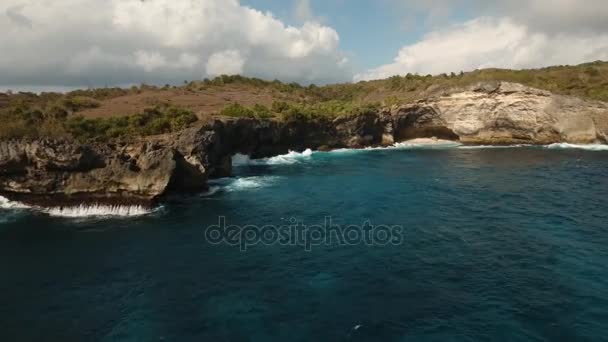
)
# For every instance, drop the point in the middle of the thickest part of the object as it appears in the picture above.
(428, 143)
(588, 147)
(289, 158)
(82, 211)
(294, 157)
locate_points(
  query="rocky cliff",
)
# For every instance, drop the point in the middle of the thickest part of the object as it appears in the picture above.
(61, 172)
(503, 113)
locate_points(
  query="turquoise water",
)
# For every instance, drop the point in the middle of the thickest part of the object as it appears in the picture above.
(497, 244)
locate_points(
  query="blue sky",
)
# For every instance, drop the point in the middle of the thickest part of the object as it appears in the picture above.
(75, 43)
(371, 32)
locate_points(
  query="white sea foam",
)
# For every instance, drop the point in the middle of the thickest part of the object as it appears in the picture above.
(5, 203)
(427, 144)
(405, 145)
(290, 158)
(590, 147)
(248, 183)
(242, 183)
(98, 211)
(81, 211)
(481, 147)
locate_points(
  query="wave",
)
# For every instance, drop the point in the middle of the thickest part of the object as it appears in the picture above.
(5, 203)
(406, 145)
(81, 211)
(290, 158)
(438, 144)
(242, 183)
(481, 147)
(589, 147)
(99, 211)
(422, 144)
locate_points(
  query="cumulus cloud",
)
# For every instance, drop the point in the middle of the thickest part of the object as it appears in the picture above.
(492, 42)
(99, 42)
(229, 62)
(545, 15)
(554, 16)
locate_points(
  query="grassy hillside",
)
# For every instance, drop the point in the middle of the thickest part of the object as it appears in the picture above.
(109, 113)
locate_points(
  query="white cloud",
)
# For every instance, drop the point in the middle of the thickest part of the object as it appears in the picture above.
(491, 42)
(545, 15)
(98, 42)
(229, 62)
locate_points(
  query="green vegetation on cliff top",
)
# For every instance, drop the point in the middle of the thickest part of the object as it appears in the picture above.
(59, 115)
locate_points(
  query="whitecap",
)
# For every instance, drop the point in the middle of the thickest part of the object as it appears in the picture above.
(588, 147)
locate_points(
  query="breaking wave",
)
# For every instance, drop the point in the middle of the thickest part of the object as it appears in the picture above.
(5, 203)
(82, 211)
(99, 211)
(290, 158)
(590, 147)
(439, 144)
(481, 147)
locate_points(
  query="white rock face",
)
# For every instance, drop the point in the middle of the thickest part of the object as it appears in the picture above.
(503, 112)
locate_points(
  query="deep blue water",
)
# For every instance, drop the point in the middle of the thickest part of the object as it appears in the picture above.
(497, 245)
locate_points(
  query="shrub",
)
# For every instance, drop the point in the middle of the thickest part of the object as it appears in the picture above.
(279, 106)
(78, 103)
(262, 112)
(153, 121)
(237, 111)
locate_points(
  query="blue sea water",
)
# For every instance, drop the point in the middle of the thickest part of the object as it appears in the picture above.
(498, 245)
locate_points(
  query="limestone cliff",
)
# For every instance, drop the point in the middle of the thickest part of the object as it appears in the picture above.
(61, 172)
(503, 113)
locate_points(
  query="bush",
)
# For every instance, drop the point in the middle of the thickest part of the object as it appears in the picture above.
(279, 107)
(153, 121)
(238, 111)
(262, 112)
(77, 103)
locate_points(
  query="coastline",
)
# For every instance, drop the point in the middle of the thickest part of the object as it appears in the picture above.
(53, 172)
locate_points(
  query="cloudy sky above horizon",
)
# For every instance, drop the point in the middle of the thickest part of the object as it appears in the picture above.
(85, 43)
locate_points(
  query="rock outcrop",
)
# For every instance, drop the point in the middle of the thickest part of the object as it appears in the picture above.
(48, 172)
(60, 172)
(503, 113)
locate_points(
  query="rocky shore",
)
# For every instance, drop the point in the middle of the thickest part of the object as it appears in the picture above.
(62, 172)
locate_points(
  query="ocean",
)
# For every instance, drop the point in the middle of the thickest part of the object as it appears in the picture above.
(467, 244)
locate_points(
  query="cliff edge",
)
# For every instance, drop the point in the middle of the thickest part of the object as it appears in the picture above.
(53, 172)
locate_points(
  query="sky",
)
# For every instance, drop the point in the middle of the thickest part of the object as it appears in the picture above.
(63, 44)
